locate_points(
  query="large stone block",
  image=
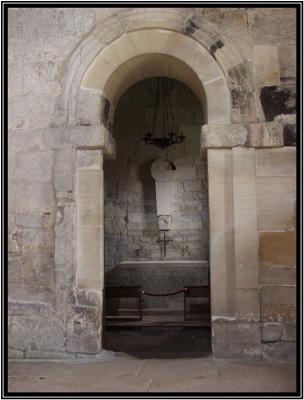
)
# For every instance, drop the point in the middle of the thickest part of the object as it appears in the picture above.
(35, 333)
(86, 137)
(276, 193)
(278, 295)
(265, 134)
(272, 332)
(236, 339)
(278, 248)
(276, 162)
(278, 275)
(223, 135)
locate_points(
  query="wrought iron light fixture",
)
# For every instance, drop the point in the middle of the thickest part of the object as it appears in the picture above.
(163, 132)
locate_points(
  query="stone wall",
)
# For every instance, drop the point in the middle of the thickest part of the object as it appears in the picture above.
(48, 121)
(276, 189)
(131, 230)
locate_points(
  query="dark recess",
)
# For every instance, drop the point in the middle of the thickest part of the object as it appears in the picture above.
(276, 100)
(217, 45)
(290, 135)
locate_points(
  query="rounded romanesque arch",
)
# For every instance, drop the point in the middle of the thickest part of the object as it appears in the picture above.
(139, 43)
(154, 52)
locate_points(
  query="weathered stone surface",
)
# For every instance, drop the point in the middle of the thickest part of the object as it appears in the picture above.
(236, 339)
(247, 135)
(278, 312)
(31, 309)
(279, 351)
(276, 162)
(31, 197)
(266, 69)
(272, 332)
(83, 337)
(37, 220)
(278, 248)
(31, 111)
(289, 331)
(25, 140)
(34, 167)
(15, 354)
(223, 135)
(34, 333)
(87, 137)
(265, 135)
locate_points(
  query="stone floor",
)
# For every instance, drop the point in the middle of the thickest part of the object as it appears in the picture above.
(153, 361)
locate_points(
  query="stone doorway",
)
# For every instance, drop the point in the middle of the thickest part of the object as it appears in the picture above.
(133, 251)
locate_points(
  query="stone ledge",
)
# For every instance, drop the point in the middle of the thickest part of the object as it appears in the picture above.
(256, 135)
(91, 137)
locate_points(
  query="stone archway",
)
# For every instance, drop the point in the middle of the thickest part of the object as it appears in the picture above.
(151, 60)
(116, 55)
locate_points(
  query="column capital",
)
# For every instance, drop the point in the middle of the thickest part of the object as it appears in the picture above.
(256, 135)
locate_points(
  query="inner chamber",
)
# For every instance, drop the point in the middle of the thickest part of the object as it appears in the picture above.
(134, 250)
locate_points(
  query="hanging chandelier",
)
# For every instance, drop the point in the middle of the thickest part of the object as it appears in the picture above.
(163, 132)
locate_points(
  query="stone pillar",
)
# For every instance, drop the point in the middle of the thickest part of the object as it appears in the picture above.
(234, 238)
(86, 326)
(89, 219)
(221, 222)
(245, 234)
(83, 308)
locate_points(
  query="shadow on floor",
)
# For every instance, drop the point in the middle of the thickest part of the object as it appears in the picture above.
(159, 343)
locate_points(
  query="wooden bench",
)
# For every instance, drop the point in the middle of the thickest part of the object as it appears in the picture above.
(118, 292)
(195, 292)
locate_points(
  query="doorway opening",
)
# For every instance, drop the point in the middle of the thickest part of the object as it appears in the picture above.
(156, 305)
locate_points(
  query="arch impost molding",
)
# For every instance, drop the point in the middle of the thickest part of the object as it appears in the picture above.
(263, 134)
(94, 137)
